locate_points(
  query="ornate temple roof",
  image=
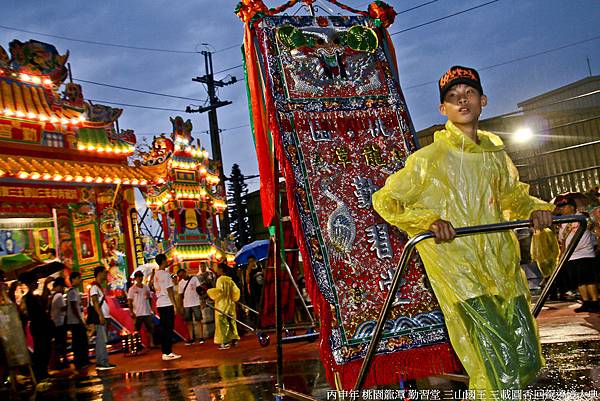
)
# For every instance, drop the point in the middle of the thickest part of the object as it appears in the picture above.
(36, 169)
(33, 111)
(30, 101)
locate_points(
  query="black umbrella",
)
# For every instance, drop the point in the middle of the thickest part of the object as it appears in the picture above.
(40, 270)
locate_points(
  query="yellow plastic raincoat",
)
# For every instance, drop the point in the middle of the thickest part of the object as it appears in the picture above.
(477, 279)
(225, 294)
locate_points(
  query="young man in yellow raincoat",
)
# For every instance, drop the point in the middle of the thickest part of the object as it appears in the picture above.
(225, 294)
(465, 178)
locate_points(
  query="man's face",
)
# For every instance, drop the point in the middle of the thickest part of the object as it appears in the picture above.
(251, 263)
(76, 281)
(568, 209)
(138, 280)
(181, 275)
(463, 104)
(102, 276)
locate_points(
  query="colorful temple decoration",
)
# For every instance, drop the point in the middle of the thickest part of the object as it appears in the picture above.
(67, 187)
(190, 201)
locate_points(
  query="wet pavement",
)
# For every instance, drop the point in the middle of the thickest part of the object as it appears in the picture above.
(248, 382)
(571, 347)
(572, 373)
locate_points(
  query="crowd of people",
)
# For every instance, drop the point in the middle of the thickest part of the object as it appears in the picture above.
(52, 311)
(579, 277)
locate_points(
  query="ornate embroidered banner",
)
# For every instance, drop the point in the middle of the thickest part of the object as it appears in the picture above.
(341, 127)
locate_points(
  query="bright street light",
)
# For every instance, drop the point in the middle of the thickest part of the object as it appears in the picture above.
(523, 135)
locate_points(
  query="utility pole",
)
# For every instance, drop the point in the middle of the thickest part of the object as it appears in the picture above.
(214, 104)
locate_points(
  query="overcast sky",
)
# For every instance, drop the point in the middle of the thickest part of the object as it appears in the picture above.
(493, 34)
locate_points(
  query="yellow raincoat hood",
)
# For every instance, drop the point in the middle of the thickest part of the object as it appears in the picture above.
(466, 183)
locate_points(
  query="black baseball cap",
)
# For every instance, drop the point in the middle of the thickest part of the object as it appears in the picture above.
(459, 75)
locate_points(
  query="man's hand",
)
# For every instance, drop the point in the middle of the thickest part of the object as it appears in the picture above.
(102, 320)
(442, 230)
(541, 219)
(132, 314)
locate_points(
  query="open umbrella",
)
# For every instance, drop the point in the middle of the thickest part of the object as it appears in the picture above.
(258, 249)
(146, 268)
(15, 262)
(40, 270)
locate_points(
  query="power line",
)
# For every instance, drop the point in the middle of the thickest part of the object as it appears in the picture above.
(408, 9)
(417, 6)
(138, 90)
(227, 48)
(228, 69)
(92, 42)
(489, 67)
(541, 106)
(134, 105)
(227, 129)
(232, 128)
(445, 17)
(407, 29)
(402, 12)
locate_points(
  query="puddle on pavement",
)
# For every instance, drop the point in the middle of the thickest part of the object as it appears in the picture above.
(571, 367)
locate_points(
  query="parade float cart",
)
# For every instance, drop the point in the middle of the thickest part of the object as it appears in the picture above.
(328, 114)
(326, 104)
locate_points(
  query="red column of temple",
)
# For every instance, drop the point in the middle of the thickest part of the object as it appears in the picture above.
(177, 217)
(165, 225)
(127, 208)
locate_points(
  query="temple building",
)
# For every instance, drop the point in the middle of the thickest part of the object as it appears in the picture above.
(68, 178)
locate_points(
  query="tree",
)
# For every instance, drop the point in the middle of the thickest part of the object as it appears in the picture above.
(237, 208)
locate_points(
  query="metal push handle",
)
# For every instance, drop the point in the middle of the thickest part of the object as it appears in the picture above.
(460, 232)
(252, 329)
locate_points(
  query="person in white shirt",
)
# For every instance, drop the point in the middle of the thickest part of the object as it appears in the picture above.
(98, 300)
(165, 304)
(58, 314)
(75, 323)
(191, 306)
(139, 297)
(582, 263)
